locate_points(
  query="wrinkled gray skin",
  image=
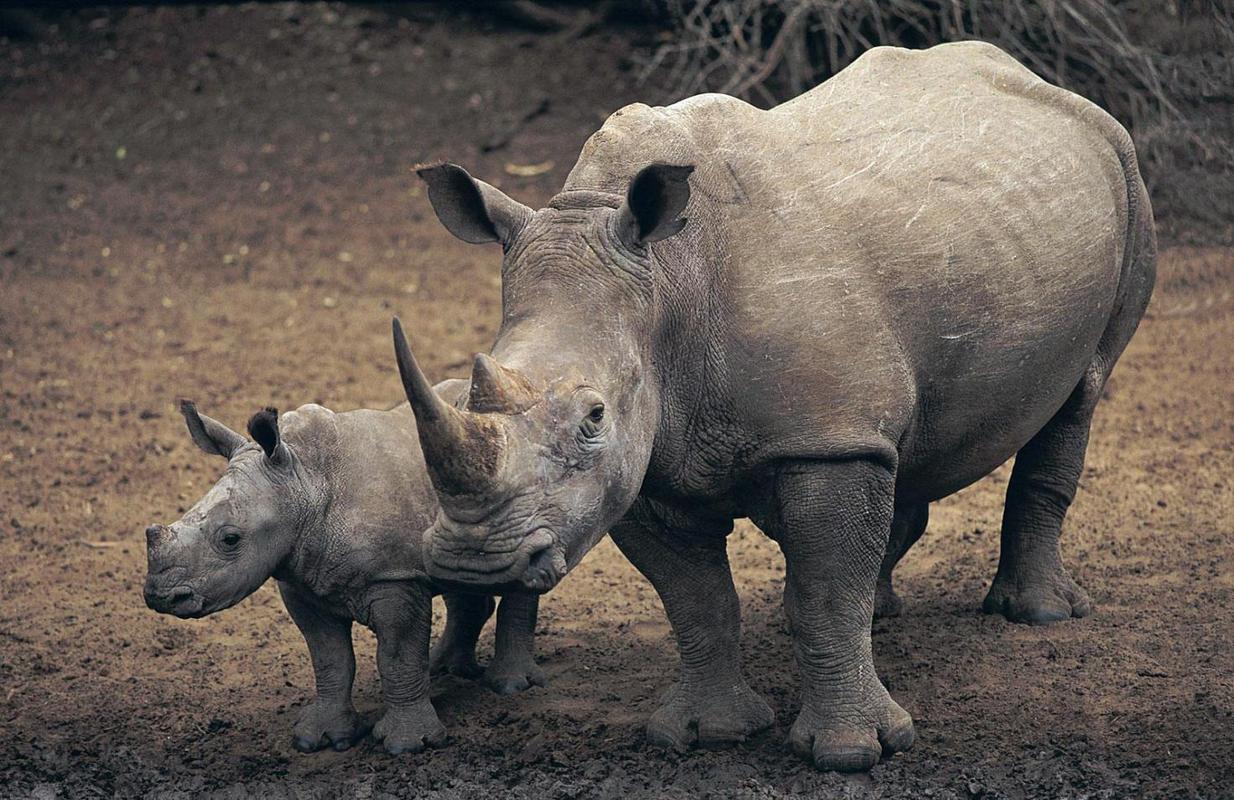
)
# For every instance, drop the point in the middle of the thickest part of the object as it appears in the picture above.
(331, 505)
(852, 305)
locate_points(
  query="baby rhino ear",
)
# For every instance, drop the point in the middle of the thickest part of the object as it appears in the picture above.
(209, 434)
(264, 428)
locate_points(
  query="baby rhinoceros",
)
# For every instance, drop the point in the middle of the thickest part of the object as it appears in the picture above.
(320, 502)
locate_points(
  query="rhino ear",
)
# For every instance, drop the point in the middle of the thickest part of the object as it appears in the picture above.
(656, 197)
(264, 428)
(470, 209)
(210, 435)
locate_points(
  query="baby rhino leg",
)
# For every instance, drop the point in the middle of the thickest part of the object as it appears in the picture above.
(401, 616)
(455, 651)
(513, 667)
(907, 525)
(331, 719)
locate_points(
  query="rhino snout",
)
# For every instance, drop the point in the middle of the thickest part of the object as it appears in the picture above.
(177, 599)
(536, 562)
(154, 534)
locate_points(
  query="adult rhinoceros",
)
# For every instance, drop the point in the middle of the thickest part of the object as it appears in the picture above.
(823, 316)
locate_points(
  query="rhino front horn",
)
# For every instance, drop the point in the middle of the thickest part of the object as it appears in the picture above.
(462, 450)
(495, 388)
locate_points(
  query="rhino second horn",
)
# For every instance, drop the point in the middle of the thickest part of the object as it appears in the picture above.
(495, 388)
(462, 450)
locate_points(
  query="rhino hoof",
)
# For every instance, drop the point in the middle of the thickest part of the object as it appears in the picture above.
(851, 749)
(708, 719)
(846, 759)
(1037, 602)
(507, 681)
(324, 725)
(304, 744)
(460, 665)
(410, 730)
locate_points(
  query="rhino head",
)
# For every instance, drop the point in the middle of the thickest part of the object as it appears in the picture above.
(234, 537)
(551, 446)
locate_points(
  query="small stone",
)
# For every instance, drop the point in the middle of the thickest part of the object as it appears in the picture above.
(532, 751)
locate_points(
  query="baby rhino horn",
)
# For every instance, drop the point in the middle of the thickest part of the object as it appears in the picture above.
(495, 388)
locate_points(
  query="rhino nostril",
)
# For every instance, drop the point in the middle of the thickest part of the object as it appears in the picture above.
(179, 595)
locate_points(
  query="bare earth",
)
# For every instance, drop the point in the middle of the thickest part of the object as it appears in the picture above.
(218, 204)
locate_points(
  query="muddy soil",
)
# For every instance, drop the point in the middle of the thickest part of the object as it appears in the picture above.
(218, 204)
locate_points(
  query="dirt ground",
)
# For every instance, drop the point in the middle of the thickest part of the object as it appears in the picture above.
(218, 204)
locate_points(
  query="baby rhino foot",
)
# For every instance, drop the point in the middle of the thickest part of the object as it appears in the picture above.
(410, 730)
(1037, 600)
(511, 675)
(849, 737)
(448, 660)
(707, 717)
(886, 602)
(323, 725)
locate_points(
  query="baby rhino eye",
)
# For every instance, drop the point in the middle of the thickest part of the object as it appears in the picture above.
(597, 413)
(229, 539)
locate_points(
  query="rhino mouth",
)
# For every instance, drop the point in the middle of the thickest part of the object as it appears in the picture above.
(545, 568)
(179, 601)
(537, 564)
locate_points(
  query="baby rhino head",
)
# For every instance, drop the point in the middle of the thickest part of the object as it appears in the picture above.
(230, 542)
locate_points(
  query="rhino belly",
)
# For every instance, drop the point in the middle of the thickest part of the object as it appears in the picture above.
(975, 412)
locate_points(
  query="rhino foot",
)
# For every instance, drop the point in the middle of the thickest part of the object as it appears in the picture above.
(848, 741)
(708, 717)
(454, 661)
(1037, 600)
(323, 725)
(410, 730)
(886, 602)
(513, 675)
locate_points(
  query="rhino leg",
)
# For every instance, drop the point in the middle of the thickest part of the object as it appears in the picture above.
(1032, 585)
(401, 617)
(331, 719)
(832, 521)
(711, 703)
(455, 651)
(513, 667)
(907, 525)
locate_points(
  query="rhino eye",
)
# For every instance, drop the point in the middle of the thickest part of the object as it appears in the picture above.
(593, 424)
(229, 539)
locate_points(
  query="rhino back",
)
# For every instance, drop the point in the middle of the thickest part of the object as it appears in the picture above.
(933, 227)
